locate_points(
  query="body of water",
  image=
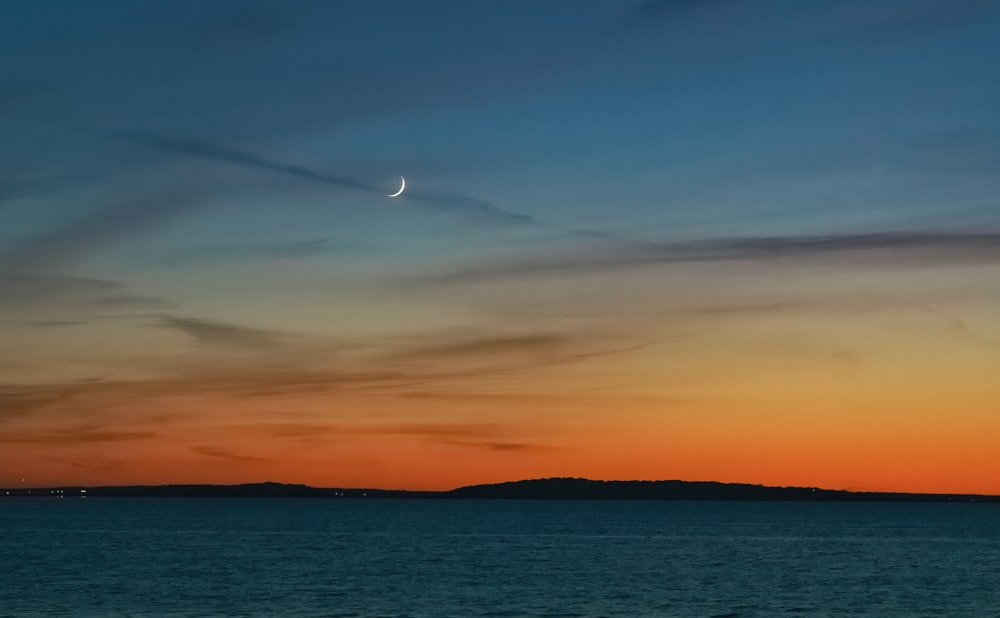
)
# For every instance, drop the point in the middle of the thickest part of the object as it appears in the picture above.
(440, 558)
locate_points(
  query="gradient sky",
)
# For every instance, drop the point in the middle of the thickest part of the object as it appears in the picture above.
(671, 239)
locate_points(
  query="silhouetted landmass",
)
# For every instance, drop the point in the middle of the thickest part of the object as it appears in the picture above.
(585, 489)
(250, 490)
(537, 489)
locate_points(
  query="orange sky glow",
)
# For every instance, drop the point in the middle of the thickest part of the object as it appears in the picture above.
(843, 394)
(656, 239)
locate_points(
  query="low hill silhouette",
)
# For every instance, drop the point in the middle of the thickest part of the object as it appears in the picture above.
(586, 489)
(534, 489)
(248, 490)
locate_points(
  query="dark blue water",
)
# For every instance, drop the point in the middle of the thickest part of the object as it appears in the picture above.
(175, 557)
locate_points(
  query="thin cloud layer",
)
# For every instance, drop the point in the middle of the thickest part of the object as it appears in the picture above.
(79, 239)
(407, 370)
(219, 333)
(476, 209)
(898, 248)
(242, 159)
(243, 252)
(18, 288)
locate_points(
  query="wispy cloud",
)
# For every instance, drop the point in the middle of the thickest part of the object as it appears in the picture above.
(530, 343)
(899, 247)
(465, 356)
(52, 323)
(431, 430)
(136, 301)
(67, 298)
(16, 401)
(472, 367)
(15, 288)
(222, 333)
(56, 248)
(235, 157)
(480, 210)
(508, 447)
(499, 437)
(279, 250)
(485, 435)
(96, 464)
(72, 436)
(209, 451)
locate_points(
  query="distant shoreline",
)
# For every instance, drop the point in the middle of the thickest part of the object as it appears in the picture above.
(536, 489)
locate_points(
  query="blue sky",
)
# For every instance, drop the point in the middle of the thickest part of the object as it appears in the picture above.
(571, 111)
(181, 182)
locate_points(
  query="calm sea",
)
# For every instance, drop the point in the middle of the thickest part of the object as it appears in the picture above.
(211, 557)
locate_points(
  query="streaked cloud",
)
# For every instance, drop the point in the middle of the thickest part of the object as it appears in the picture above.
(83, 435)
(136, 301)
(68, 298)
(220, 333)
(428, 371)
(900, 248)
(243, 159)
(277, 250)
(52, 323)
(97, 464)
(18, 400)
(514, 448)
(209, 451)
(530, 343)
(470, 208)
(78, 239)
(16, 288)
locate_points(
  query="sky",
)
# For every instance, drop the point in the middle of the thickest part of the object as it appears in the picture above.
(658, 239)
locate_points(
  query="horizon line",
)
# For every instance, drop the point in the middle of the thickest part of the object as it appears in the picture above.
(63, 487)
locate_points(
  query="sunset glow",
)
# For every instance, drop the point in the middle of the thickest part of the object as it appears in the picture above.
(716, 243)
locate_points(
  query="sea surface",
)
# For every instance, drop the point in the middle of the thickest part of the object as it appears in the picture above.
(439, 558)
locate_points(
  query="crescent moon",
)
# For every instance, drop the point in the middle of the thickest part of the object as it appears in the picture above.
(400, 192)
